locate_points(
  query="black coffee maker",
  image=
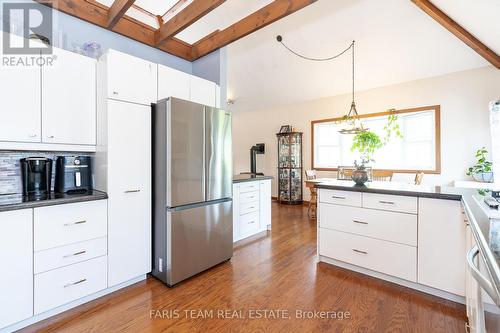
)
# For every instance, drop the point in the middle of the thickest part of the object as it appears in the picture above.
(36, 173)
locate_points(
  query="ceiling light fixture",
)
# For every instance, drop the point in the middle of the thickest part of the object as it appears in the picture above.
(352, 119)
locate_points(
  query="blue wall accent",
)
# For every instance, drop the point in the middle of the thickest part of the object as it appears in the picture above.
(213, 67)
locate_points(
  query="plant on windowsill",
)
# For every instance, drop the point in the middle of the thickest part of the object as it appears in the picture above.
(367, 143)
(482, 171)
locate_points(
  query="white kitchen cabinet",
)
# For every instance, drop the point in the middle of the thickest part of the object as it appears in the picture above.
(69, 99)
(130, 79)
(251, 208)
(203, 91)
(441, 244)
(20, 95)
(265, 203)
(173, 83)
(127, 129)
(16, 256)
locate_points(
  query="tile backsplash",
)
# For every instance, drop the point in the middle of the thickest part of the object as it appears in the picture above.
(10, 172)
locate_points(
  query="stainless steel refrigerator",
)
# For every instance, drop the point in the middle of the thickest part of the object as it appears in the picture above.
(192, 189)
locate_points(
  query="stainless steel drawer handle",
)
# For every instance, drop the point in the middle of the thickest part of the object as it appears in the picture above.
(336, 197)
(251, 207)
(32, 135)
(50, 137)
(252, 222)
(359, 251)
(132, 191)
(359, 222)
(386, 202)
(75, 223)
(115, 92)
(75, 254)
(74, 283)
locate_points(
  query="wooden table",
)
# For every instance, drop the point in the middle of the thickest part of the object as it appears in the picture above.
(313, 202)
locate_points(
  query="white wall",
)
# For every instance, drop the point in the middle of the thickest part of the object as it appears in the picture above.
(463, 97)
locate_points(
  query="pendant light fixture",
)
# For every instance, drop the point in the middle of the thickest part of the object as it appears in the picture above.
(351, 119)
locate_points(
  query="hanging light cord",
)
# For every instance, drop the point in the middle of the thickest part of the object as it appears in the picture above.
(351, 46)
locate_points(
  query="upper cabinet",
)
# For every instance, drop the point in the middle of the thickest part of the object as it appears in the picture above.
(172, 82)
(69, 99)
(52, 107)
(130, 79)
(20, 93)
(203, 91)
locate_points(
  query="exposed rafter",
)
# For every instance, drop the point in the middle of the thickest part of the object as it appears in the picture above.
(192, 13)
(459, 31)
(117, 10)
(97, 14)
(274, 11)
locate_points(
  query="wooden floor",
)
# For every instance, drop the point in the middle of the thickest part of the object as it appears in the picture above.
(278, 272)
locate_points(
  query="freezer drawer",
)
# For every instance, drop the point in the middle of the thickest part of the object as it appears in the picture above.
(197, 239)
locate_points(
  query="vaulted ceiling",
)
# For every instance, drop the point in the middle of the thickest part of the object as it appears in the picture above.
(396, 42)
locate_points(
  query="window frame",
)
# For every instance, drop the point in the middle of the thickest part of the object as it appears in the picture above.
(437, 133)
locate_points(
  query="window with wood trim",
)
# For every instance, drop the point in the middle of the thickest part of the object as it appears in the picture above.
(418, 150)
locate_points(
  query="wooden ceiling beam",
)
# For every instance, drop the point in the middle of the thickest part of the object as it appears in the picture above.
(95, 13)
(192, 13)
(117, 10)
(274, 11)
(456, 29)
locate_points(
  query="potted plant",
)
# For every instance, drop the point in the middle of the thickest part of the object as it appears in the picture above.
(366, 143)
(482, 171)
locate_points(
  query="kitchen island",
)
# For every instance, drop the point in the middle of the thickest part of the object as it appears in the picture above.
(414, 235)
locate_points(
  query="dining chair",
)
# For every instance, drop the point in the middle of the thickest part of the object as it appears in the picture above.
(382, 175)
(313, 201)
(344, 172)
(419, 177)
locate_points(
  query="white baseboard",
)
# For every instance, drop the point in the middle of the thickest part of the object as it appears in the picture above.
(401, 282)
(66, 307)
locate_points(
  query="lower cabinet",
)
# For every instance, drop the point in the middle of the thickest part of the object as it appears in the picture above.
(420, 240)
(60, 286)
(251, 208)
(16, 256)
(441, 244)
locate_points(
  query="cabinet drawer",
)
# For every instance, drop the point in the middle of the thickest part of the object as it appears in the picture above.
(249, 187)
(378, 255)
(393, 203)
(70, 223)
(60, 286)
(70, 254)
(249, 223)
(249, 197)
(391, 226)
(249, 207)
(346, 198)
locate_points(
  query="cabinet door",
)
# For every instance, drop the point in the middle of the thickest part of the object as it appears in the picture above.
(441, 244)
(16, 256)
(69, 99)
(129, 190)
(20, 95)
(131, 79)
(174, 83)
(265, 204)
(202, 91)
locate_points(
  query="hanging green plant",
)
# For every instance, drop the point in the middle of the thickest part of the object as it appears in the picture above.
(366, 143)
(392, 126)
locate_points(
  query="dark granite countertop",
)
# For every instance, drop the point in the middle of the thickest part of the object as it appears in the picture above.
(480, 216)
(395, 188)
(18, 201)
(249, 178)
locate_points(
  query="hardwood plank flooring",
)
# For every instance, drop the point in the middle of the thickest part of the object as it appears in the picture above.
(277, 272)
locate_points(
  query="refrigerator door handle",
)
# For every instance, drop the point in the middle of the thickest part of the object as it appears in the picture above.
(204, 183)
